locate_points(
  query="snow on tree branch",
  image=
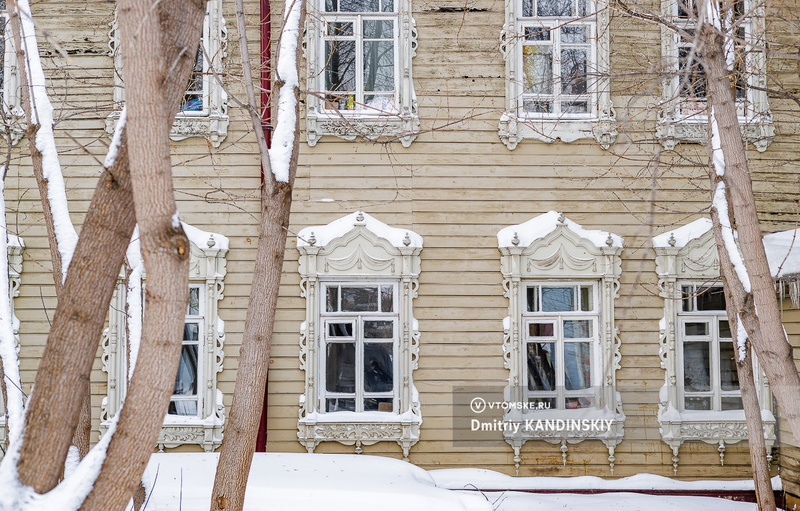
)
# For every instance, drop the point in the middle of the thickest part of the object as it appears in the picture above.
(280, 154)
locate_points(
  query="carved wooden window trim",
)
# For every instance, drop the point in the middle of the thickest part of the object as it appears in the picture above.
(212, 121)
(12, 122)
(207, 269)
(516, 126)
(570, 255)
(359, 248)
(16, 245)
(402, 125)
(755, 118)
(688, 254)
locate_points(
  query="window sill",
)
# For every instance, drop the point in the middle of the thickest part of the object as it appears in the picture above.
(513, 130)
(671, 132)
(213, 127)
(402, 127)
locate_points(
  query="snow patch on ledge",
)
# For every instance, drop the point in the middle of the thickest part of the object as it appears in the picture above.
(200, 238)
(359, 417)
(783, 252)
(542, 225)
(683, 235)
(324, 234)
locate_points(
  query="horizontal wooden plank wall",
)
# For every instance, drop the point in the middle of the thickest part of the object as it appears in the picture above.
(456, 185)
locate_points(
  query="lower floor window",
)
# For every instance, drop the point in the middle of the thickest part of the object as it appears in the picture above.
(185, 399)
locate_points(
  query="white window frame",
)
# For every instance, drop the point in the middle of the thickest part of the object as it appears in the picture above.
(16, 245)
(212, 121)
(367, 123)
(598, 123)
(686, 121)
(207, 269)
(359, 249)
(13, 114)
(570, 255)
(688, 254)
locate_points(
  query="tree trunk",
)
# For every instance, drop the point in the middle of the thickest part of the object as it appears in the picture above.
(771, 347)
(145, 34)
(241, 431)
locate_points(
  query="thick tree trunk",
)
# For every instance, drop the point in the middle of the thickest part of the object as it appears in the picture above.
(241, 430)
(145, 33)
(771, 347)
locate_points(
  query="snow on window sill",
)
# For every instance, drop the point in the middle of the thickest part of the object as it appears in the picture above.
(361, 417)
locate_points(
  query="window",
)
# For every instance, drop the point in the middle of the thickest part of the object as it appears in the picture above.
(684, 117)
(11, 113)
(359, 56)
(560, 340)
(700, 399)
(196, 413)
(204, 109)
(557, 72)
(359, 341)
(15, 248)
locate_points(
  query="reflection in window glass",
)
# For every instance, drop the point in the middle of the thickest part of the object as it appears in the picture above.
(541, 366)
(696, 369)
(378, 369)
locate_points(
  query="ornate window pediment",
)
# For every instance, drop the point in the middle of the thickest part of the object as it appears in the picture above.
(557, 72)
(699, 400)
(196, 412)
(204, 110)
(12, 120)
(560, 342)
(359, 343)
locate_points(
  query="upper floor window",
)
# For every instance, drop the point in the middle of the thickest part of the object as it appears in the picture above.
(560, 339)
(359, 54)
(196, 412)
(11, 114)
(359, 343)
(685, 105)
(700, 399)
(557, 72)
(204, 108)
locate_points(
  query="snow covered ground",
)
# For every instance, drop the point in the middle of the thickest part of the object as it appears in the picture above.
(328, 482)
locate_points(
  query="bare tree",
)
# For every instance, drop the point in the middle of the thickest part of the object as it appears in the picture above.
(279, 166)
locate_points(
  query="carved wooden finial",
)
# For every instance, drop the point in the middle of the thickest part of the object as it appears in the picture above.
(672, 239)
(407, 240)
(360, 216)
(515, 240)
(312, 240)
(609, 240)
(561, 218)
(211, 241)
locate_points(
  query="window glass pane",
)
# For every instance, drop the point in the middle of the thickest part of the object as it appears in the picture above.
(724, 329)
(537, 68)
(331, 5)
(692, 77)
(340, 369)
(541, 366)
(540, 329)
(697, 403)
(554, 8)
(380, 102)
(527, 8)
(191, 332)
(387, 6)
(575, 107)
(578, 402)
(340, 71)
(378, 404)
(378, 29)
(358, 6)
(378, 368)
(184, 408)
(687, 292)
(387, 298)
(537, 107)
(532, 295)
(586, 298)
(711, 299)
(378, 329)
(186, 379)
(537, 34)
(728, 377)
(340, 28)
(696, 328)
(577, 365)
(731, 403)
(194, 301)
(558, 299)
(574, 34)
(378, 66)
(332, 299)
(343, 329)
(340, 405)
(193, 99)
(696, 369)
(360, 299)
(577, 329)
(574, 66)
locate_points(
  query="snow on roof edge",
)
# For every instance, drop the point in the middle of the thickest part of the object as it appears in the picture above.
(683, 235)
(540, 226)
(324, 234)
(200, 238)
